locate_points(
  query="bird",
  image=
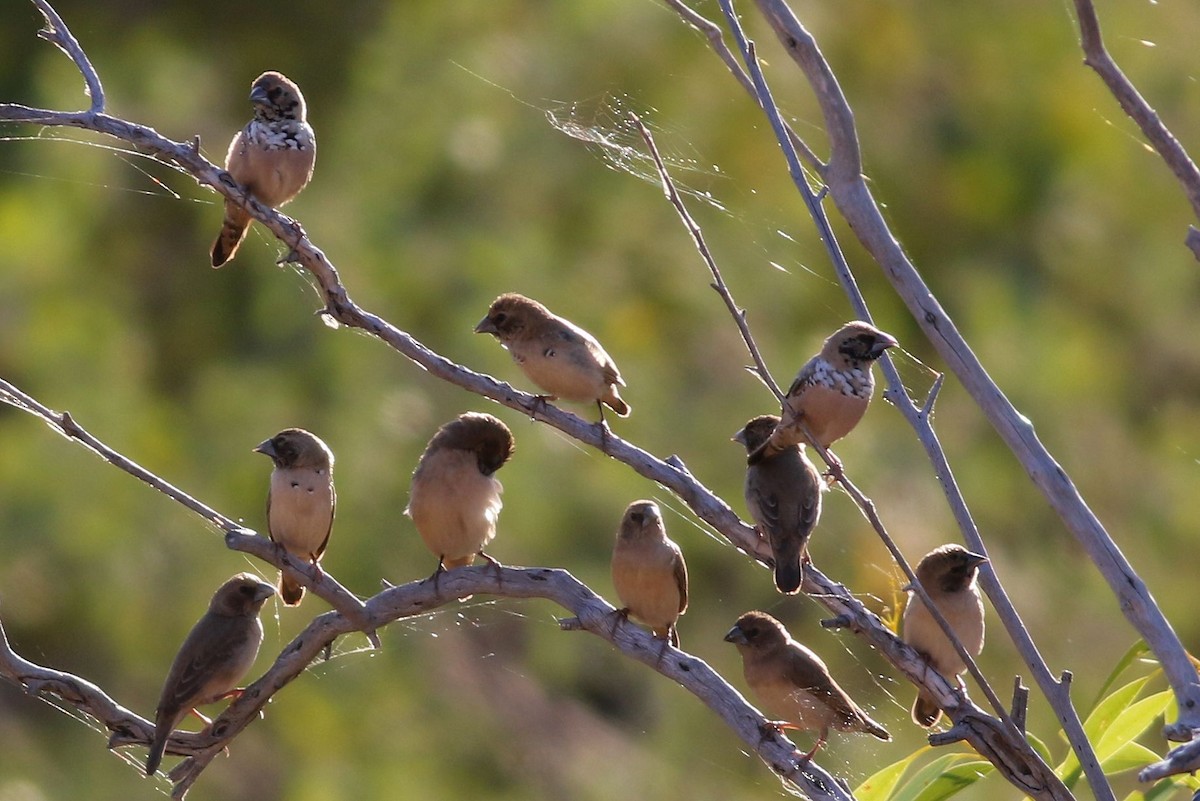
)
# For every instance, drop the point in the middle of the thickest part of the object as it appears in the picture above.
(301, 500)
(948, 575)
(792, 683)
(272, 157)
(648, 572)
(783, 493)
(557, 355)
(454, 500)
(832, 390)
(217, 653)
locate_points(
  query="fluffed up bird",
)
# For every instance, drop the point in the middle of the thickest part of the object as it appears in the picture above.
(301, 500)
(948, 575)
(833, 388)
(217, 653)
(783, 493)
(793, 684)
(454, 500)
(557, 355)
(272, 158)
(648, 571)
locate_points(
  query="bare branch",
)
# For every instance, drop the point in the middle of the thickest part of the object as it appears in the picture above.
(1135, 106)
(739, 315)
(60, 35)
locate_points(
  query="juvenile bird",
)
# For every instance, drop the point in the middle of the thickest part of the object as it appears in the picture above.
(454, 500)
(792, 683)
(218, 651)
(948, 575)
(783, 493)
(557, 355)
(272, 158)
(832, 390)
(648, 571)
(301, 500)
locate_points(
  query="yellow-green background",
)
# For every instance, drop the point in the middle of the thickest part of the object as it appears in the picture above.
(1049, 232)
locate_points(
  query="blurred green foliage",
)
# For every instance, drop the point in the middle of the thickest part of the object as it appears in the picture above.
(1028, 201)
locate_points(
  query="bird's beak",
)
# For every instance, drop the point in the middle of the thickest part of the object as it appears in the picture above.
(975, 559)
(883, 342)
(264, 592)
(740, 436)
(486, 326)
(258, 96)
(265, 447)
(736, 636)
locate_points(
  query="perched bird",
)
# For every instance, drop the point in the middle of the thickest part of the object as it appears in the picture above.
(792, 683)
(948, 575)
(218, 651)
(557, 355)
(783, 494)
(648, 571)
(454, 500)
(301, 500)
(272, 158)
(832, 390)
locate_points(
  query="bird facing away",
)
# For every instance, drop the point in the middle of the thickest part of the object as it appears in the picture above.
(272, 158)
(832, 390)
(783, 493)
(301, 500)
(793, 684)
(218, 651)
(454, 500)
(948, 575)
(648, 571)
(557, 355)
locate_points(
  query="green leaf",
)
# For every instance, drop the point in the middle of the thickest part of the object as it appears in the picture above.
(1042, 749)
(929, 774)
(957, 778)
(880, 785)
(1129, 724)
(1134, 653)
(1132, 755)
(1098, 722)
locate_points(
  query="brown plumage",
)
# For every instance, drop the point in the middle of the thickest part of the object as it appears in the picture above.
(793, 684)
(783, 493)
(557, 355)
(272, 158)
(301, 500)
(217, 653)
(832, 390)
(454, 500)
(948, 575)
(648, 571)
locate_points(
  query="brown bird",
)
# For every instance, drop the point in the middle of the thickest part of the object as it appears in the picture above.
(792, 683)
(454, 500)
(557, 355)
(272, 158)
(301, 501)
(783, 493)
(217, 653)
(948, 575)
(832, 390)
(648, 571)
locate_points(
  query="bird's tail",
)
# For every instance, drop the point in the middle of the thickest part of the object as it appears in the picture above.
(875, 730)
(614, 401)
(925, 712)
(789, 567)
(290, 591)
(233, 231)
(158, 747)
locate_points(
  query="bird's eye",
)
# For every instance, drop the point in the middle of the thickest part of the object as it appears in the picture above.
(247, 590)
(499, 318)
(637, 517)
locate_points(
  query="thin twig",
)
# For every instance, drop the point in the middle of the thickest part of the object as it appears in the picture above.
(60, 35)
(739, 314)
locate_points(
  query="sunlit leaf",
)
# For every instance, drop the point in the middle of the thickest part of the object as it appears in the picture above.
(955, 779)
(927, 775)
(1130, 724)
(1132, 655)
(880, 785)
